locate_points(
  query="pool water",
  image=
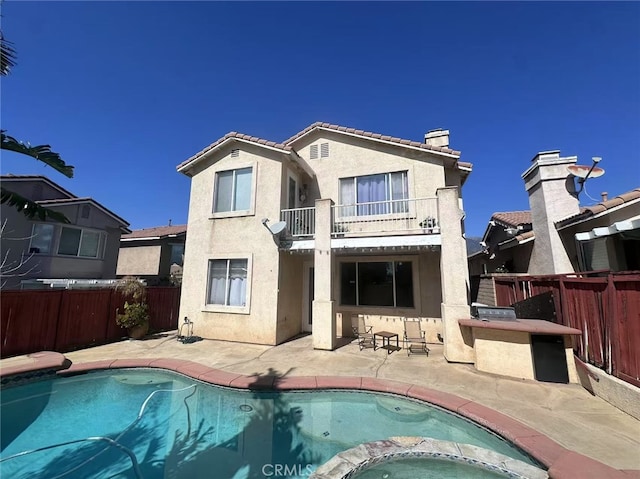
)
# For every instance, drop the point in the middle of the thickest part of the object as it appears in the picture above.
(178, 427)
(426, 469)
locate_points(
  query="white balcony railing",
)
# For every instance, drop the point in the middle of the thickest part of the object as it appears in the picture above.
(301, 222)
(418, 215)
(411, 216)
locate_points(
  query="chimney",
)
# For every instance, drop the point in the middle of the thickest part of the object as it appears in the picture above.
(605, 196)
(437, 137)
(552, 197)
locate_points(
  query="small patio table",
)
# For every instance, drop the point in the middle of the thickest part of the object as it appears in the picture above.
(386, 338)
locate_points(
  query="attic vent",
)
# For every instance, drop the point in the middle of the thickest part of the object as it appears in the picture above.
(313, 152)
(85, 211)
(235, 153)
(324, 150)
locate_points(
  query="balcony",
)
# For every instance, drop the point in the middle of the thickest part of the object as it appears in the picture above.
(378, 218)
(412, 216)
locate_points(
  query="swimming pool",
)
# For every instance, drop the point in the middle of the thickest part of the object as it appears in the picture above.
(158, 424)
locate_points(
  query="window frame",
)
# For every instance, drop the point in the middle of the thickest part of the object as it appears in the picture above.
(100, 250)
(51, 241)
(219, 308)
(353, 210)
(415, 283)
(252, 198)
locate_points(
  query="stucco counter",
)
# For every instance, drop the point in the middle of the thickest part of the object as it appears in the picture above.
(507, 347)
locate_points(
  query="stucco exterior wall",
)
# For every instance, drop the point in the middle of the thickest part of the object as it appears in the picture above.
(552, 197)
(427, 295)
(235, 236)
(17, 237)
(275, 296)
(289, 297)
(492, 346)
(487, 291)
(354, 157)
(139, 261)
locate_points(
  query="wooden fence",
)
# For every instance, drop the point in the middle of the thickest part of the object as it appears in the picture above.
(68, 319)
(606, 309)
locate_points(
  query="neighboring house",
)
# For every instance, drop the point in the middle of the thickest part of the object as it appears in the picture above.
(557, 235)
(153, 254)
(86, 248)
(301, 235)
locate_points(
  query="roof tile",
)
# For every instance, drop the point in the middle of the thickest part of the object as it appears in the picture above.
(156, 231)
(513, 218)
(286, 145)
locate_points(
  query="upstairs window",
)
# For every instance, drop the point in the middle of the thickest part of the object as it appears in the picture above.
(177, 254)
(41, 238)
(80, 242)
(374, 194)
(233, 190)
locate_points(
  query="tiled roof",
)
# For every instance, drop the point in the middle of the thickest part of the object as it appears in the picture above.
(287, 145)
(369, 134)
(513, 218)
(613, 202)
(589, 211)
(239, 136)
(157, 231)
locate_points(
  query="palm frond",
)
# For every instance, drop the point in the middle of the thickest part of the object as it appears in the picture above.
(7, 56)
(30, 209)
(41, 153)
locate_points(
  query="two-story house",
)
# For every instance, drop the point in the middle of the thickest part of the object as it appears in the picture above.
(300, 235)
(85, 248)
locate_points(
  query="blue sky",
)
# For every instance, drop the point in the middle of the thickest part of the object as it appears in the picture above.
(125, 91)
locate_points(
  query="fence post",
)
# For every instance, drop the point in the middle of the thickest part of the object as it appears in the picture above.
(610, 326)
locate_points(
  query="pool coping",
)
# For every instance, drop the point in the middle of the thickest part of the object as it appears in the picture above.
(351, 462)
(561, 462)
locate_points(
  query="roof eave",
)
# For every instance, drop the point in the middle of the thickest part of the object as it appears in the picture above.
(191, 162)
(74, 201)
(454, 155)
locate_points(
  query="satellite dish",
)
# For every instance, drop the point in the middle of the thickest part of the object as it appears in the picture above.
(278, 231)
(277, 228)
(582, 171)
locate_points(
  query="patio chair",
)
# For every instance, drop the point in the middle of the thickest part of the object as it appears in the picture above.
(363, 332)
(414, 338)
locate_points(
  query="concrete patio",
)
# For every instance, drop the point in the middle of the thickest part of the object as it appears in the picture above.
(568, 414)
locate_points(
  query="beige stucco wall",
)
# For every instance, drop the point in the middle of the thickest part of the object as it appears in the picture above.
(236, 236)
(621, 394)
(138, 261)
(274, 312)
(427, 296)
(551, 198)
(486, 291)
(354, 157)
(492, 346)
(289, 296)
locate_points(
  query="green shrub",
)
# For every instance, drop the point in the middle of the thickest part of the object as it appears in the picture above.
(134, 314)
